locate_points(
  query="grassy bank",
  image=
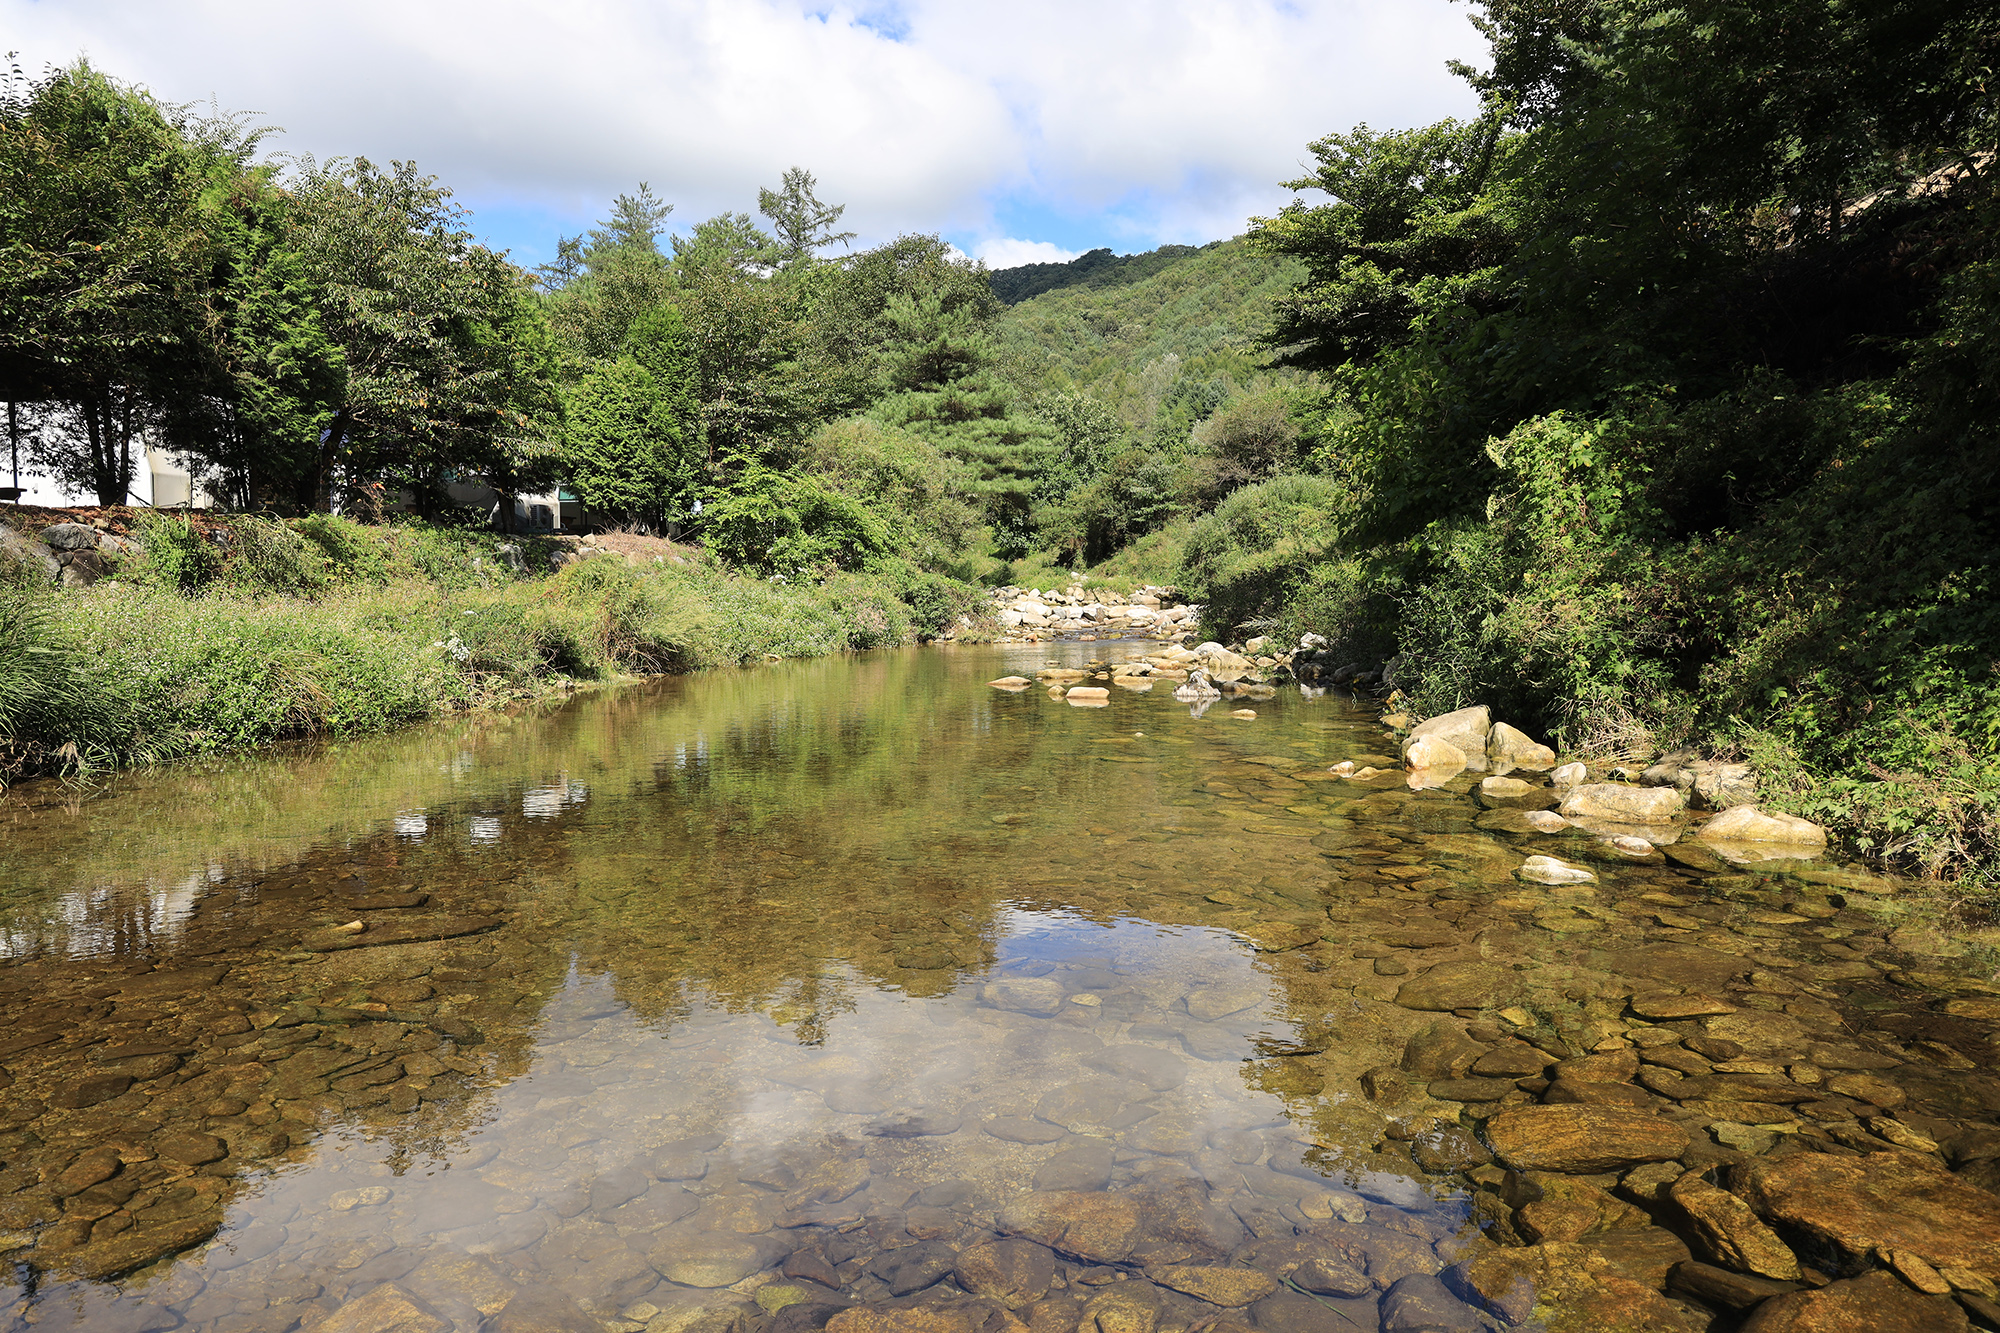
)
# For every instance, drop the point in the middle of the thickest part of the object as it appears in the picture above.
(249, 632)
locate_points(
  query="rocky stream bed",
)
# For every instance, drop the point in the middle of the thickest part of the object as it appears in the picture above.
(1102, 1018)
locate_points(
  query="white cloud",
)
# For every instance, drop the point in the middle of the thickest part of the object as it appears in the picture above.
(1006, 252)
(1168, 120)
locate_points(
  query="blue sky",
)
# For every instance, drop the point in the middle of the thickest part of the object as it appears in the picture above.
(1029, 130)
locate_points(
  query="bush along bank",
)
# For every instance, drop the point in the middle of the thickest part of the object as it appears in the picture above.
(131, 639)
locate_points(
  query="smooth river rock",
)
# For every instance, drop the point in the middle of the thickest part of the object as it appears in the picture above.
(1508, 747)
(1093, 1228)
(1460, 986)
(1622, 804)
(1464, 730)
(1746, 823)
(1874, 1302)
(1429, 752)
(1859, 1205)
(1725, 1230)
(1217, 1285)
(1515, 794)
(1585, 1140)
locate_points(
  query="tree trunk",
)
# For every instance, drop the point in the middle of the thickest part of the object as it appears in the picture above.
(97, 430)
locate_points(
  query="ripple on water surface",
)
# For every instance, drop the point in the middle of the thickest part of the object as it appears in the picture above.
(737, 1001)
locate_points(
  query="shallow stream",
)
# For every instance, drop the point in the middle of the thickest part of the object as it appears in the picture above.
(730, 1002)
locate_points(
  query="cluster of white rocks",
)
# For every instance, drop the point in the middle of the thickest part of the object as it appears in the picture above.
(1031, 613)
(1672, 798)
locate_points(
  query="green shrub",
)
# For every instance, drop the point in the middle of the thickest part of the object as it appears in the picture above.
(868, 605)
(1242, 560)
(354, 552)
(794, 526)
(177, 555)
(262, 555)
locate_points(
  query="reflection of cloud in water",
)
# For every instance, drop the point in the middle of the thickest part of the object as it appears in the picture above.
(484, 830)
(550, 801)
(90, 923)
(412, 824)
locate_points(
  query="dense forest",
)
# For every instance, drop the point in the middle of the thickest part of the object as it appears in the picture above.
(1654, 404)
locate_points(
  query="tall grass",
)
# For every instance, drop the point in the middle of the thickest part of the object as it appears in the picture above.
(268, 634)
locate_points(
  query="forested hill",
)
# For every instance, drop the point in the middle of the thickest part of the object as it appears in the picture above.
(1125, 334)
(1092, 268)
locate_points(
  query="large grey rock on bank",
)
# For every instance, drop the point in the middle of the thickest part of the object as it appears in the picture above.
(69, 537)
(1464, 730)
(1709, 783)
(19, 550)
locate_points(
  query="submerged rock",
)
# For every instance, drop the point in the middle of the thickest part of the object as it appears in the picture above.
(1726, 1230)
(1876, 1302)
(1584, 1140)
(386, 1309)
(1513, 794)
(1549, 870)
(1887, 1201)
(1013, 1272)
(1460, 986)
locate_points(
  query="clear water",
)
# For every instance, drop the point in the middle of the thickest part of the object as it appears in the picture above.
(768, 993)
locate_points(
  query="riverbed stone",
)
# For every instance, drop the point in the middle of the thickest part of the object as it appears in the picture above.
(542, 1310)
(1096, 1105)
(1014, 1272)
(1662, 1006)
(1447, 1149)
(1726, 1231)
(1467, 985)
(1441, 1050)
(1504, 793)
(386, 1309)
(1885, 1201)
(133, 1248)
(914, 1267)
(1022, 1129)
(1746, 823)
(89, 1090)
(1583, 1140)
(1622, 804)
(1025, 995)
(1217, 1284)
(1157, 1069)
(1084, 1167)
(1564, 1287)
(1465, 730)
(1509, 747)
(920, 1319)
(1420, 1303)
(1553, 870)
(1876, 1302)
(1091, 1227)
(694, 1258)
